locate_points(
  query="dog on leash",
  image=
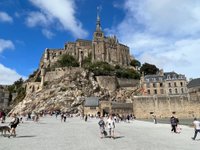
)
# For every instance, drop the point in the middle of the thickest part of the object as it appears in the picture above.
(4, 129)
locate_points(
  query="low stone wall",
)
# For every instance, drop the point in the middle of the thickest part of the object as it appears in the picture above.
(164, 106)
(127, 82)
(60, 72)
(107, 82)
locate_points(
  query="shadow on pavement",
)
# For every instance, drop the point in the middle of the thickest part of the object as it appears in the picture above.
(116, 137)
(26, 136)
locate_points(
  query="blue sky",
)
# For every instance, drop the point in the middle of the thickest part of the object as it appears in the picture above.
(164, 33)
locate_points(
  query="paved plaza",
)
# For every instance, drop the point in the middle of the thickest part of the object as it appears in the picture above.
(75, 134)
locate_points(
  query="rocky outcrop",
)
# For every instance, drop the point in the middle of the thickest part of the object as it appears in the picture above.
(68, 94)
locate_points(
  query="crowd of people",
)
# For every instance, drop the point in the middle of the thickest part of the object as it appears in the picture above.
(107, 123)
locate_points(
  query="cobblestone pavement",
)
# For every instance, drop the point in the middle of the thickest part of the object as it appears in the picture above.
(75, 134)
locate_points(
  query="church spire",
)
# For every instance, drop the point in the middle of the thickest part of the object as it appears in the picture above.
(98, 23)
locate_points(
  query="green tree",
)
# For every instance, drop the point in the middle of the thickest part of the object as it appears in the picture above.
(101, 68)
(148, 69)
(67, 61)
(135, 63)
(18, 88)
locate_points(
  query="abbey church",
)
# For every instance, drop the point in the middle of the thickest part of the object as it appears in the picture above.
(101, 48)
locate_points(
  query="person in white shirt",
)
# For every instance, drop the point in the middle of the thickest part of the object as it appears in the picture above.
(196, 124)
(111, 126)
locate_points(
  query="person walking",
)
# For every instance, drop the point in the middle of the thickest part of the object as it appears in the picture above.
(111, 126)
(154, 119)
(196, 124)
(102, 125)
(13, 124)
(173, 122)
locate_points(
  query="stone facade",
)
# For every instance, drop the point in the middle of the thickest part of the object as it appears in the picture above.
(169, 83)
(101, 48)
(4, 97)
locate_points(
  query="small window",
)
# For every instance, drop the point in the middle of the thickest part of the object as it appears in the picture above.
(154, 85)
(176, 91)
(175, 84)
(170, 91)
(169, 84)
(148, 91)
(155, 91)
(161, 84)
(181, 84)
(182, 91)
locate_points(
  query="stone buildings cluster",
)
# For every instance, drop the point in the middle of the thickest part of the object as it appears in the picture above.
(159, 94)
(101, 48)
(168, 83)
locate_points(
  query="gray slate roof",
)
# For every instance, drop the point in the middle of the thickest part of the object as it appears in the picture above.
(194, 83)
(91, 102)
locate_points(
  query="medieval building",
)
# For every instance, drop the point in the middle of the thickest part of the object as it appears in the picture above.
(168, 83)
(101, 48)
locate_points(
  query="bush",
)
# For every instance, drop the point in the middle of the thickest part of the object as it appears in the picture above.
(101, 68)
(127, 73)
(67, 61)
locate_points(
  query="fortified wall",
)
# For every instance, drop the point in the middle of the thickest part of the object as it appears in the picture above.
(60, 72)
(111, 83)
(165, 106)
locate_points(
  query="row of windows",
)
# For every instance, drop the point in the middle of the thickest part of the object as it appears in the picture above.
(175, 91)
(174, 77)
(161, 85)
(155, 91)
(175, 85)
(161, 79)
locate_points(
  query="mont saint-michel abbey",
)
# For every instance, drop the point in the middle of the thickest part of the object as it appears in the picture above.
(101, 48)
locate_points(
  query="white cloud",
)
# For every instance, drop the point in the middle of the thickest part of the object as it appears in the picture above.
(6, 44)
(47, 33)
(4, 17)
(165, 33)
(175, 17)
(37, 18)
(56, 13)
(8, 76)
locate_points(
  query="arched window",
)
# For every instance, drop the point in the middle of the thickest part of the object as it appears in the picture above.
(170, 91)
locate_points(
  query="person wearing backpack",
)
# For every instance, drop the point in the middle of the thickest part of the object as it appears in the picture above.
(102, 125)
(173, 122)
(13, 124)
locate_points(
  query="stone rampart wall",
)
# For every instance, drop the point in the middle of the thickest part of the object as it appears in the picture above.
(60, 72)
(164, 106)
(127, 82)
(107, 82)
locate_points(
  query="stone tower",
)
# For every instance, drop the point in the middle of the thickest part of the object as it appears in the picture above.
(43, 71)
(98, 47)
